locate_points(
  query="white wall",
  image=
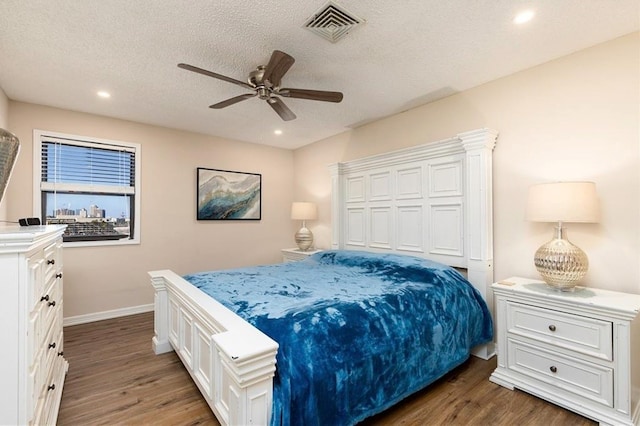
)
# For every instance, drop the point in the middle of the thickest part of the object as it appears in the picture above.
(575, 118)
(4, 118)
(99, 279)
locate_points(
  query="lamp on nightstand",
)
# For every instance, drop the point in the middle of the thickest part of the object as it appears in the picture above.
(303, 211)
(562, 264)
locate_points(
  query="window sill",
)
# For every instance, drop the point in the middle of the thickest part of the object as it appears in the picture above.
(102, 243)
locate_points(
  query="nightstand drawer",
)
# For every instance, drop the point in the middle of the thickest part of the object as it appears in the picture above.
(588, 380)
(589, 336)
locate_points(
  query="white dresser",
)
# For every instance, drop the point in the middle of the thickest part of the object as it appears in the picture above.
(579, 350)
(32, 365)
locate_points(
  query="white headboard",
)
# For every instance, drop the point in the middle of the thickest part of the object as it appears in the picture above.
(432, 201)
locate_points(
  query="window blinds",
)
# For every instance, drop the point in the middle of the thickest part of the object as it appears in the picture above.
(87, 167)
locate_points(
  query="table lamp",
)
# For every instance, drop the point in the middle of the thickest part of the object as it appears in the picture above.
(9, 147)
(303, 211)
(560, 263)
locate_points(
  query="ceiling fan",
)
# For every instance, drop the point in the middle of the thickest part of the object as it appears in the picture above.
(265, 81)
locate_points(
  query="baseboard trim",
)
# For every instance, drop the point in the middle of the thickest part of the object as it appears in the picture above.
(99, 316)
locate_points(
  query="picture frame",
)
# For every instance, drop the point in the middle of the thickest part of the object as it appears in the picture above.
(228, 195)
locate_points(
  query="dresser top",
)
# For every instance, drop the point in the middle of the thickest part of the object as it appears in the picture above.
(584, 296)
(16, 238)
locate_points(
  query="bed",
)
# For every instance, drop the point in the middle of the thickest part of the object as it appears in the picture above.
(431, 202)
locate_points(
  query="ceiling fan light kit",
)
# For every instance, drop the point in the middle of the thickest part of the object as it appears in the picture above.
(265, 82)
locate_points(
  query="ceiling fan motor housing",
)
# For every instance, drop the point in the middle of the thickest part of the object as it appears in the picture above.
(256, 76)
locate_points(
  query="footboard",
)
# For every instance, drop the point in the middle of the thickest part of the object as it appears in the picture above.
(231, 362)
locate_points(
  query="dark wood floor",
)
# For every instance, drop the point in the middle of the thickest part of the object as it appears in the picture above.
(115, 379)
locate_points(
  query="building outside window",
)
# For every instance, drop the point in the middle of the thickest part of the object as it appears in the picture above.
(91, 185)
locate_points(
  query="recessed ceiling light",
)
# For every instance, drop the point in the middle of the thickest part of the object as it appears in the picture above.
(104, 94)
(277, 132)
(524, 16)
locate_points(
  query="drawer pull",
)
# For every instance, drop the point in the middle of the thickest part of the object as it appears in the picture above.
(51, 262)
(553, 369)
(51, 387)
(59, 275)
(53, 303)
(52, 345)
(552, 327)
(44, 298)
(61, 353)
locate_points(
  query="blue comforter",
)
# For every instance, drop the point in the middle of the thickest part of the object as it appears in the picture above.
(357, 331)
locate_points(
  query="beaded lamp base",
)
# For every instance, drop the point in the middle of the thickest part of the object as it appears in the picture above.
(304, 239)
(560, 263)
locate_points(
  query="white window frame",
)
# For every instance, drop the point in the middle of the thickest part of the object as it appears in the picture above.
(38, 136)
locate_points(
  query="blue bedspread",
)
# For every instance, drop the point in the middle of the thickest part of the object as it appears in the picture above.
(357, 331)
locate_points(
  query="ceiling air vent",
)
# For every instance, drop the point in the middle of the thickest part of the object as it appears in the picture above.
(332, 22)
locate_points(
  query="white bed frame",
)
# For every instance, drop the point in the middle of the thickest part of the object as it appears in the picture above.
(432, 201)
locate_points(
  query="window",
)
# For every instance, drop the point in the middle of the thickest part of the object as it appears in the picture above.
(91, 185)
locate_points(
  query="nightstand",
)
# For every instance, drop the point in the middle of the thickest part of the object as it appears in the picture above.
(294, 254)
(579, 350)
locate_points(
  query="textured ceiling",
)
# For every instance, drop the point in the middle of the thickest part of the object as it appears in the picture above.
(410, 52)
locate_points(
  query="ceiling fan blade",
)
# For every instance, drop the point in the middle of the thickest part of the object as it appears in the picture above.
(283, 111)
(312, 95)
(278, 65)
(214, 75)
(232, 101)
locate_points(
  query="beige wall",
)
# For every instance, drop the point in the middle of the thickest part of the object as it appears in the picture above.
(4, 118)
(575, 118)
(99, 279)
(4, 109)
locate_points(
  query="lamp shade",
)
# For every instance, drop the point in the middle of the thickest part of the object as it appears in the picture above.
(563, 202)
(9, 147)
(303, 211)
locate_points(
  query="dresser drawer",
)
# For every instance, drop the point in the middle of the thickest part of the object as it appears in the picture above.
(588, 380)
(43, 316)
(50, 305)
(46, 409)
(588, 336)
(50, 259)
(35, 335)
(36, 279)
(41, 319)
(51, 351)
(44, 371)
(45, 341)
(54, 391)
